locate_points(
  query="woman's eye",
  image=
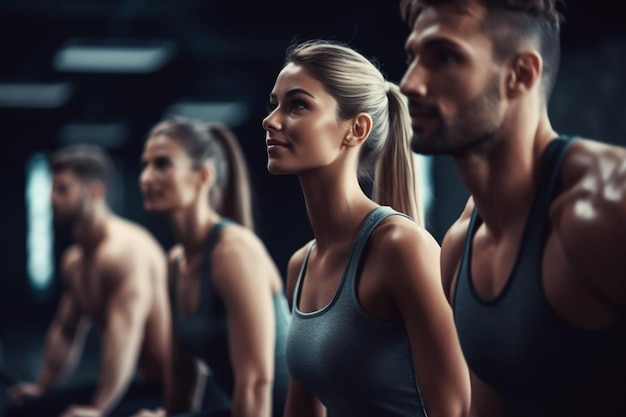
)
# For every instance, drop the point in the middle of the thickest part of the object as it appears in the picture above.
(297, 105)
(271, 107)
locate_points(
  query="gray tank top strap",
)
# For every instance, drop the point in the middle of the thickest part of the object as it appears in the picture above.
(296, 292)
(371, 221)
(208, 300)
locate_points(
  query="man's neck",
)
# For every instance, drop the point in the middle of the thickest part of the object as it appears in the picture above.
(90, 231)
(502, 179)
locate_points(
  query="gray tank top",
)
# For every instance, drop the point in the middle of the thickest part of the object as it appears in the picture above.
(357, 365)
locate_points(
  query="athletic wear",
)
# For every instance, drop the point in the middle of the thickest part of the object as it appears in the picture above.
(516, 343)
(356, 365)
(205, 332)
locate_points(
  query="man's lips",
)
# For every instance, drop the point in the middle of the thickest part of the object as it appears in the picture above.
(150, 194)
(419, 110)
(274, 142)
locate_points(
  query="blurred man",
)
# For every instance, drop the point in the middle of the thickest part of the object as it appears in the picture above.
(534, 268)
(115, 278)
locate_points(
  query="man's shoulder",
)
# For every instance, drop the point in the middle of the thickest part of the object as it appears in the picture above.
(452, 247)
(130, 238)
(588, 157)
(592, 170)
(128, 246)
(588, 216)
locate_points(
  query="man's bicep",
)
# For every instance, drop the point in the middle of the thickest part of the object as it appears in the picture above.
(68, 317)
(129, 300)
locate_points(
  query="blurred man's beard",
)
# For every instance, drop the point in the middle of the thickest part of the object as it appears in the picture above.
(476, 123)
(66, 220)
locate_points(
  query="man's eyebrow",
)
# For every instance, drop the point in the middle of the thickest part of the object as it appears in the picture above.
(432, 42)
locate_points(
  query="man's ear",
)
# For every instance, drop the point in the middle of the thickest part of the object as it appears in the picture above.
(524, 73)
(359, 129)
(97, 189)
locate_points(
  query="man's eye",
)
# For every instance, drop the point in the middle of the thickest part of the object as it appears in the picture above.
(448, 57)
(161, 163)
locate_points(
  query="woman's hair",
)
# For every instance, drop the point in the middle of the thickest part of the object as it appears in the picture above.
(215, 143)
(358, 86)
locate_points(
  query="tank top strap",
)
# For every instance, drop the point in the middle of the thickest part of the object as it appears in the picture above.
(536, 223)
(535, 227)
(298, 289)
(371, 221)
(174, 270)
(214, 234)
(208, 299)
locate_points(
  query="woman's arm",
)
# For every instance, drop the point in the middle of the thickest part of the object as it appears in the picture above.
(242, 279)
(416, 288)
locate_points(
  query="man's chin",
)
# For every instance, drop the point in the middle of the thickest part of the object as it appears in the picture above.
(424, 146)
(63, 222)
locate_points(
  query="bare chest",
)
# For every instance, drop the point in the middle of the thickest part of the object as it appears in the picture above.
(89, 289)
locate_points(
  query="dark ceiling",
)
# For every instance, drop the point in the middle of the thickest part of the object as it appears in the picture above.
(225, 50)
(231, 51)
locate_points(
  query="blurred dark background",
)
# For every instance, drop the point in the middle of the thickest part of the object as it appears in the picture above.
(212, 59)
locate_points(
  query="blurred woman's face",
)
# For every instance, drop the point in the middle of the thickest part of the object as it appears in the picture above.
(168, 179)
(303, 131)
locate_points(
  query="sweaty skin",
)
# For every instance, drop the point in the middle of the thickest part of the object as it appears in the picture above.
(492, 118)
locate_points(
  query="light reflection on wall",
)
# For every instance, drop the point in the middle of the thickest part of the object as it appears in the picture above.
(39, 230)
(425, 178)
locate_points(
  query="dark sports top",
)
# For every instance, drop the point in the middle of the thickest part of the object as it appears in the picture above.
(205, 332)
(356, 365)
(517, 344)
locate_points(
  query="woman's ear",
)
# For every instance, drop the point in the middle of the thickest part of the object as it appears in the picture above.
(206, 174)
(360, 128)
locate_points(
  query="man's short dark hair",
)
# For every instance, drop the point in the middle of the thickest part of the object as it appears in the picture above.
(88, 162)
(509, 23)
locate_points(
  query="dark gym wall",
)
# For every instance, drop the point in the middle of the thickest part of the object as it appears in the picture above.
(232, 50)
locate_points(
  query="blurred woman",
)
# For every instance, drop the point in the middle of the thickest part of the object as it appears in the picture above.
(372, 333)
(228, 303)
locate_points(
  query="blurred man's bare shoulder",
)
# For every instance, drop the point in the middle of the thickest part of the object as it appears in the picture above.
(133, 238)
(130, 247)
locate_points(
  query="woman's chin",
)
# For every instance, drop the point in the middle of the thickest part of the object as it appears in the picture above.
(277, 169)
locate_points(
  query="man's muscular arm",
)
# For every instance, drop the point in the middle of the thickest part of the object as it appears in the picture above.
(590, 218)
(64, 341)
(128, 306)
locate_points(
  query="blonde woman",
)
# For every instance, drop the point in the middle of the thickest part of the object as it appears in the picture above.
(372, 333)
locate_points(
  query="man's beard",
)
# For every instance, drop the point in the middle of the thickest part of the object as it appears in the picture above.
(475, 123)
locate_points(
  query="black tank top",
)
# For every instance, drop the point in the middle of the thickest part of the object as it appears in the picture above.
(204, 333)
(539, 364)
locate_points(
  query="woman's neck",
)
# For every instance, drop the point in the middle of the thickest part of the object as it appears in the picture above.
(191, 226)
(336, 206)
